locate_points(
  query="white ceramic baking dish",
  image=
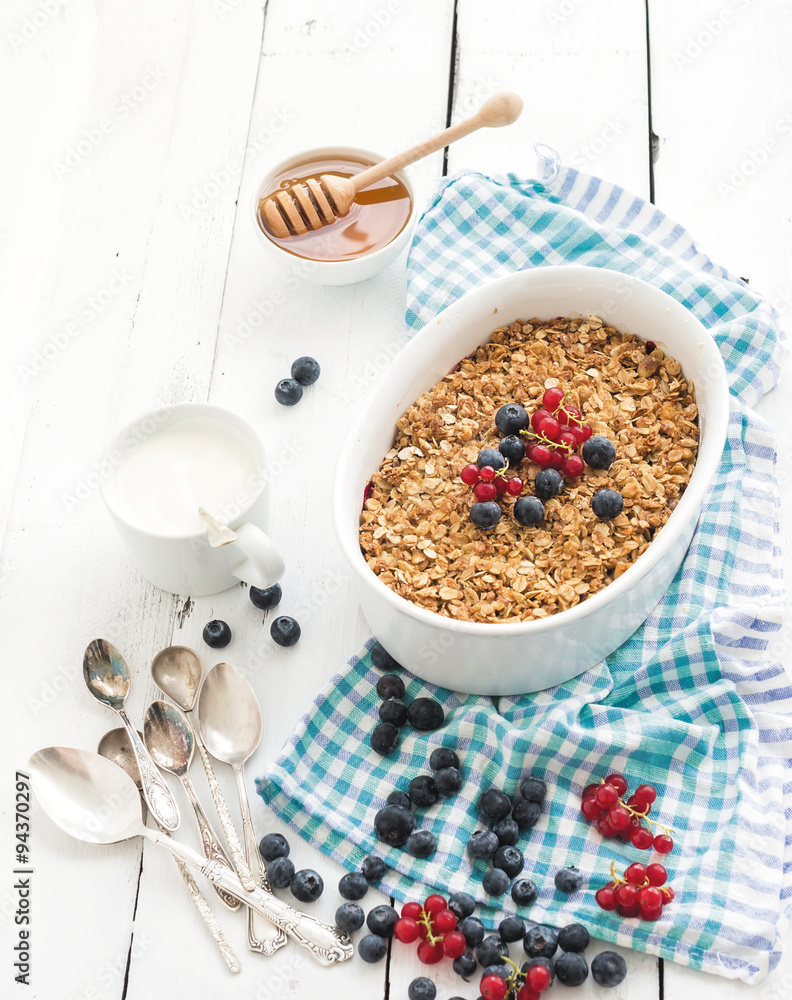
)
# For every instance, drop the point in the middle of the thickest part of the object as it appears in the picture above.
(493, 659)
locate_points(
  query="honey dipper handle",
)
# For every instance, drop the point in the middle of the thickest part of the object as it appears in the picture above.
(500, 109)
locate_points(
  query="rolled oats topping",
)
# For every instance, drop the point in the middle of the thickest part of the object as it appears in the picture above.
(416, 532)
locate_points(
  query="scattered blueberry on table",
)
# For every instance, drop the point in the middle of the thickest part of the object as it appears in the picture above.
(373, 868)
(350, 917)
(353, 886)
(305, 370)
(394, 711)
(216, 634)
(393, 825)
(384, 738)
(288, 392)
(571, 969)
(372, 948)
(274, 845)
(421, 844)
(280, 872)
(266, 599)
(608, 969)
(422, 989)
(306, 885)
(390, 686)
(285, 630)
(425, 714)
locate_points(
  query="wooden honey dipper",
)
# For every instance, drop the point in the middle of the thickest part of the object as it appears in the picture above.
(318, 202)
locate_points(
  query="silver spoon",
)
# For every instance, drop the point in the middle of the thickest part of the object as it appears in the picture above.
(169, 740)
(178, 672)
(115, 746)
(229, 719)
(107, 677)
(95, 801)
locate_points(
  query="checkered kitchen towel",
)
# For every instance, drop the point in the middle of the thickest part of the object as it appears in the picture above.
(695, 702)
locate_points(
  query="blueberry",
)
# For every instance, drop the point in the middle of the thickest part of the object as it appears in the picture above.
(288, 392)
(306, 885)
(486, 514)
(491, 457)
(422, 791)
(393, 825)
(571, 969)
(353, 885)
(482, 844)
(393, 710)
(422, 989)
(274, 845)
(216, 634)
(350, 917)
(494, 805)
(448, 781)
(540, 960)
(461, 904)
(305, 370)
(608, 969)
(381, 920)
(497, 969)
(491, 950)
(512, 449)
(533, 789)
(473, 931)
(511, 418)
(509, 860)
(285, 630)
(425, 714)
(398, 798)
(528, 511)
(372, 948)
(540, 941)
(599, 452)
(390, 686)
(507, 832)
(495, 882)
(421, 844)
(384, 737)
(524, 892)
(569, 880)
(373, 868)
(511, 929)
(382, 660)
(280, 872)
(266, 599)
(525, 813)
(607, 504)
(548, 484)
(465, 965)
(443, 757)
(573, 937)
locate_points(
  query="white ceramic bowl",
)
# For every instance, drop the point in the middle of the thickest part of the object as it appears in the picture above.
(333, 272)
(516, 658)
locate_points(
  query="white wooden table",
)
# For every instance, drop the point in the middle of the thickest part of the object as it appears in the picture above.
(133, 137)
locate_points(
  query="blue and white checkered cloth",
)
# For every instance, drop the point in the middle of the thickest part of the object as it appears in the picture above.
(695, 702)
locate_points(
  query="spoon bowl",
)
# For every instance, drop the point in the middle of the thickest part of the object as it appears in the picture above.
(229, 716)
(168, 738)
(106, 673)
(177, 671)
(87, 796)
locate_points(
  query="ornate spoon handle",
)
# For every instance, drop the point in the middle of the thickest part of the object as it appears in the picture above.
(328, 945)
(209, 918)
(237, 854)
(212, 847)
(161, 803)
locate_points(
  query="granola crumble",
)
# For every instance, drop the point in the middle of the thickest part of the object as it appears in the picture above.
(415, 530)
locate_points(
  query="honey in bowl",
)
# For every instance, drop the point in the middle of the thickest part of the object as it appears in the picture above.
(377, 216)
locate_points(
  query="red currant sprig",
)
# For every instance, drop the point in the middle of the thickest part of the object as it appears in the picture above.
(604, 805)
(435, 924)
(641, 892)
(489, 483)
(519, 985)
(555, 434)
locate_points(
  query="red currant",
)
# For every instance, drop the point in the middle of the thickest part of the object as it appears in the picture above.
(590, 809)
(567, 439)
(493, 987)
(605, 828)
(435, 903)
(636, 874)
(650, 897)
(552, 398)
(627, 895)
(663, 844)
(429, 953)
(618, 781)
(454, 944)
(526, 993)
(582, 434)
(487, 473)
(619, 818)
(423, 931)
(641, 807)
(641, 838)
(539, 417)
(654, 913)
(628, 911)
(485, 491)
(529, 450)
(470, 475)
(541, 455)
(514, 487)
(414, 910)
(650, 346)
(646, 794)
(656, 874)
(444, 921)
(573, 466)
(606, 796)
(668, 894)
(406, 930)
(500, 485)
(556, 460)
(588, 791)
(570, 414)
(606, 898)
(550, 427)
(538, 978)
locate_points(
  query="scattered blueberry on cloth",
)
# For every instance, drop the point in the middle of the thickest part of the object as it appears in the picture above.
(696, 702)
